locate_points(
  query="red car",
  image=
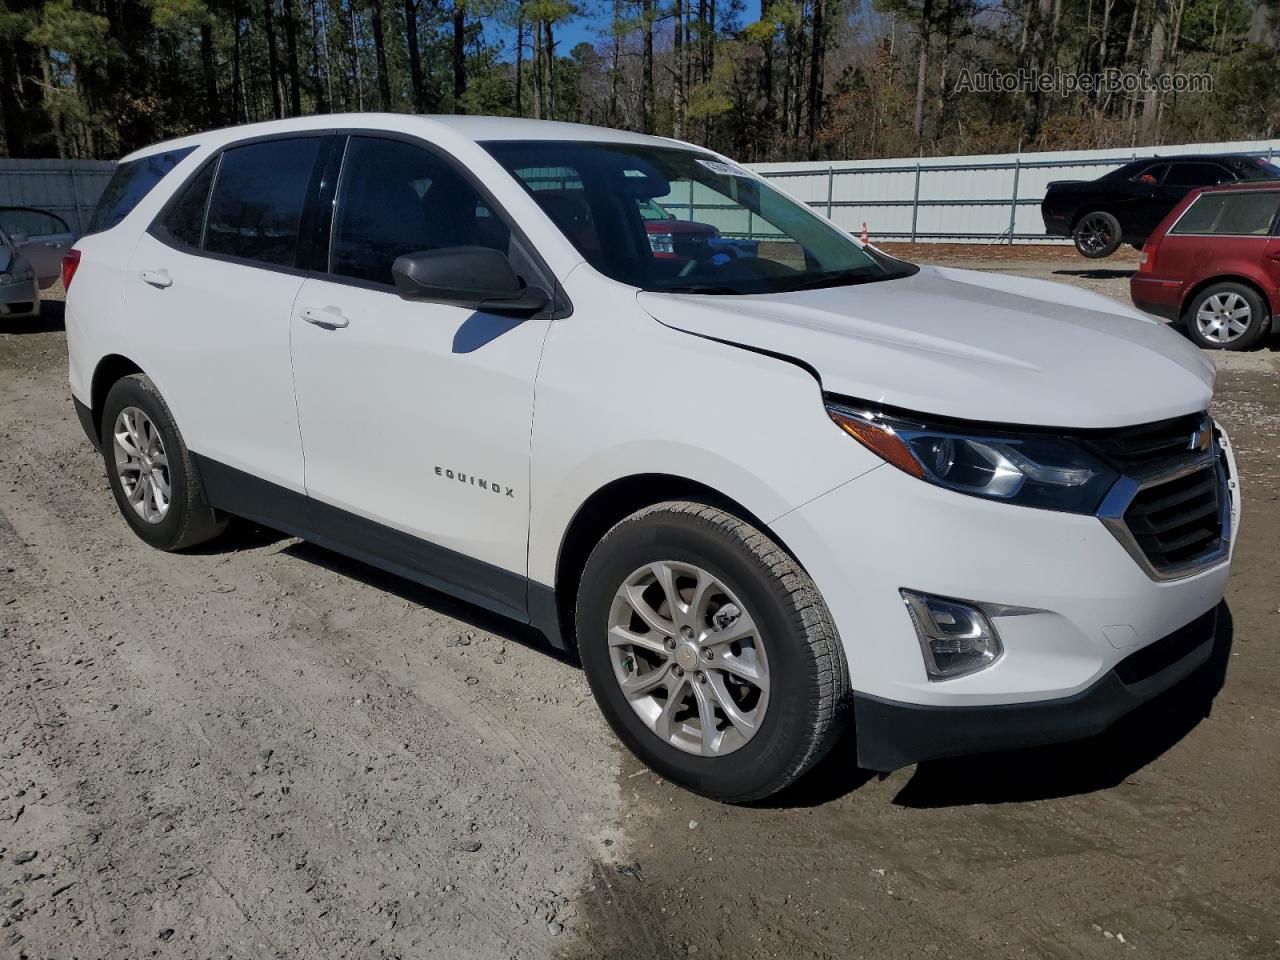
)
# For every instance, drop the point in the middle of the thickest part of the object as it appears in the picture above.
(1213, 265)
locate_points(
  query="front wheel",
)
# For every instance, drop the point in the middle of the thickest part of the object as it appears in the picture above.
(1097, 235)
(710, 652)
(1227, 316)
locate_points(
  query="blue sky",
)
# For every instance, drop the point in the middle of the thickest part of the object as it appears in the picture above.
(586, 28)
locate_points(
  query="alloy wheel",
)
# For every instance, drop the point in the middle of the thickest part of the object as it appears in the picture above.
(142, 464)
(689, 658)
(1094, 234)
(1223, 317)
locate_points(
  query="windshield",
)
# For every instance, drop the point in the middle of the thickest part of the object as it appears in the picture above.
(749, 238)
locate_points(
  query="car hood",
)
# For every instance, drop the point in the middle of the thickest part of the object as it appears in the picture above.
(970, 345)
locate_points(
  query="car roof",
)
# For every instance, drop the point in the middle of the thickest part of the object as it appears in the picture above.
(475, 128)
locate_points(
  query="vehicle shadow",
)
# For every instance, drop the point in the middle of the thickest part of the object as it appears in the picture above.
(51, 319)
(475, 617)
(1096, 273)
(1038, 773)
(1083, 766)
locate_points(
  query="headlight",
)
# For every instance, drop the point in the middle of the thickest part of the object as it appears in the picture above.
(1034, 470)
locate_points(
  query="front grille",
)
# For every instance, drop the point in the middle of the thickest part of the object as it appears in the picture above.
(1149, 445)
(1168, 650)
(1171, 502)
(1178, 521)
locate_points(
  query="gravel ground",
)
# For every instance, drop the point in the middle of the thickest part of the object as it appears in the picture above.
(262, 749)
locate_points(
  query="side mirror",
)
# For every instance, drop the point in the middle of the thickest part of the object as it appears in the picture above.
(477, 277)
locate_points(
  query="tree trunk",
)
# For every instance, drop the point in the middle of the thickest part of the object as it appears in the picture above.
(922, 69)
(549, 57)
(646, 79)
(459, 56)
(677, 105)
(1155, 61)
(415, 56)
(291, 57)
(319, 48)
(817, 65)
(212, 110)
(238, 108)
(273, 62)
(380, 55)
(518, 106)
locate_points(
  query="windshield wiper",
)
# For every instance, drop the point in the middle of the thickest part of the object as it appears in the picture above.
(841, 279)
(720, 290)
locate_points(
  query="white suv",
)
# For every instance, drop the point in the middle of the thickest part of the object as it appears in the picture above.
(762, 478)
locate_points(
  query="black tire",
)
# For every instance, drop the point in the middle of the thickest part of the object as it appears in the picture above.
(1258, 322)
(1097, 235)
(808, 679)
(189, 519)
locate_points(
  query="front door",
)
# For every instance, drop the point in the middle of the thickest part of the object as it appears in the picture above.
(416, 417)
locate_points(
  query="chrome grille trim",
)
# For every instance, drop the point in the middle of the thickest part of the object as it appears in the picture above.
(1127, 489)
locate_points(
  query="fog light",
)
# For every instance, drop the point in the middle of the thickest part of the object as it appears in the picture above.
(956, 637)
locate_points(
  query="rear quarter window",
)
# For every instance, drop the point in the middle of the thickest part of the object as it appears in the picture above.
(1248, 213)
(131, 182)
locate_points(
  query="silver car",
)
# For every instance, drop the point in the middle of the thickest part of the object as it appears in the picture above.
(19, 290)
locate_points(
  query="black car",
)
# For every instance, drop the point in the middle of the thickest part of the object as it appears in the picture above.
(1125, 205)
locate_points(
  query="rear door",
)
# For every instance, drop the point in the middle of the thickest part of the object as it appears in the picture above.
(41, 238)
(416, 417)
(211, 287)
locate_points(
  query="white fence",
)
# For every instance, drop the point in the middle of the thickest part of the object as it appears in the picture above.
(991, 199)
(69, 188)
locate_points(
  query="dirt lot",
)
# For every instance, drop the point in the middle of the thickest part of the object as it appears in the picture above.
(264, 750)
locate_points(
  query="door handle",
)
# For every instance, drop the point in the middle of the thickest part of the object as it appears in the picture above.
(330, 318)
(56, 244)
(157, 278)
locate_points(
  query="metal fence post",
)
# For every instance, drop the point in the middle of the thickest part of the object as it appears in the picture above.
(1013, 205)
(831, 182)
(915, 203)
(75, 199)
(690, 199)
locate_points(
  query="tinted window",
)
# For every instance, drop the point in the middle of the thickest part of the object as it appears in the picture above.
(184, 221)
(129, 184)
(1247, 213)
(1152, 174)
(31, 223)
(1197, 175)
(257, 200)
(396, 198)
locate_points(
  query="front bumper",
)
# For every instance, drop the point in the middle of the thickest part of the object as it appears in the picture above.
(892, 735)
(1071, 606)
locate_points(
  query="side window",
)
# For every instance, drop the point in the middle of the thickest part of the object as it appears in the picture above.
(396, 198)
(1244, 214)
(1197, 175)
(184, 220)
(129, 184)
(257, 201)
(20, 221)
(1153, 174)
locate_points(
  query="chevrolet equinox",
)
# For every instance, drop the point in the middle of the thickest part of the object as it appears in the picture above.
(764, 480)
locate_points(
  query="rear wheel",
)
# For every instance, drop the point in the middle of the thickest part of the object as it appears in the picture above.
(152, 475)
(1097, 235)
(710, 651)
(1227, 316)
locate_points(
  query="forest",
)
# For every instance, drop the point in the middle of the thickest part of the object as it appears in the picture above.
(792, 80)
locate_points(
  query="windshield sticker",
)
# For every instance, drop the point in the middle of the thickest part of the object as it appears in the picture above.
(724, 169)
